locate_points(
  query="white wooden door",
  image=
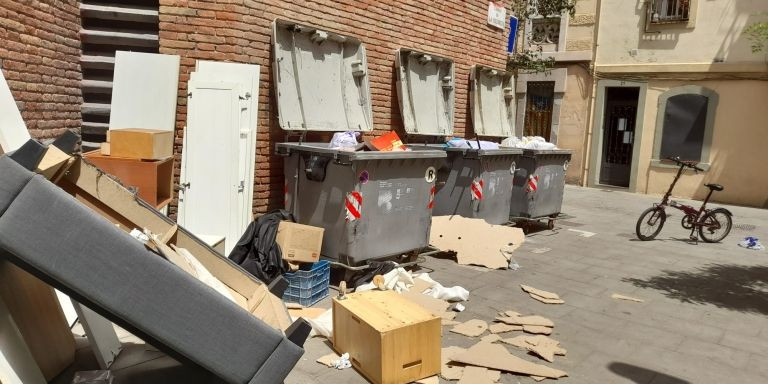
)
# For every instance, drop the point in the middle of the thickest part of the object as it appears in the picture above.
(247, 78)
(209, 201)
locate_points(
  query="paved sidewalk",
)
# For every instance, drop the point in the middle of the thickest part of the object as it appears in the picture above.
(704, 319)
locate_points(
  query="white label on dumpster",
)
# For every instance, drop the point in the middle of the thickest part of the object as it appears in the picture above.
(430, 175)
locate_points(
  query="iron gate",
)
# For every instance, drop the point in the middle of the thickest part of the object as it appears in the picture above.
(538, 109)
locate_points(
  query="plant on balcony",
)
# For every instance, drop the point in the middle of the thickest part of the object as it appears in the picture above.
(757, 34)
(530, 58)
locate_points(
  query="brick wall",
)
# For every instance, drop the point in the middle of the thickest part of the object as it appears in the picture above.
(240, 31)
(40, 56)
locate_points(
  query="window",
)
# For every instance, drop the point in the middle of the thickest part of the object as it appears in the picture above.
(669, 11)
(538, 110)
(684, 123)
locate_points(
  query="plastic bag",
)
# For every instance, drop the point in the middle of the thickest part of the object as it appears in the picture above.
(344, 140)
(753, 243)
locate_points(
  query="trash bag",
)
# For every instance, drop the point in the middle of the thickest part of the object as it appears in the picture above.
(376, 268)
(257, 252)
(344, 140)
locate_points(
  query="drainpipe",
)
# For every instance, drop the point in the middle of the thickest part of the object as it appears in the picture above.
(590, 120)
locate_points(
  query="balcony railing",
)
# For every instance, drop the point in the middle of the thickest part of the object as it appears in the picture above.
(668, 11)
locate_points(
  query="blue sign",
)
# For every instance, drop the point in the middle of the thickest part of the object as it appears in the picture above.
(512, 34)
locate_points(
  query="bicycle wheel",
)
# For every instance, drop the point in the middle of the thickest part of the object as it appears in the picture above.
(650, 223)
(716, 225)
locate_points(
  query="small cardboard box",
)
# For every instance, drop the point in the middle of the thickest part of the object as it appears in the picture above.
(299, 242)
(136, 143)
(390, 339)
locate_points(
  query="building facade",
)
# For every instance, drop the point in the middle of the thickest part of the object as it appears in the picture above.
(678, 78)
(555, 104)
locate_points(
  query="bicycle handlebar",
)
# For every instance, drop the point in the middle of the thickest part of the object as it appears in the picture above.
(685, 163)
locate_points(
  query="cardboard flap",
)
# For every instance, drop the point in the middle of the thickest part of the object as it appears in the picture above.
(426, 89)
(492, 99)
(321, 79)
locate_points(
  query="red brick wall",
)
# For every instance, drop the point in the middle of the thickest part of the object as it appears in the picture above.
(240, 31)
(40, 55)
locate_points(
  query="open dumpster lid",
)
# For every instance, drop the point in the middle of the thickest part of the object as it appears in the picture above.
(425, 88)
(492, 99)
(321, 79)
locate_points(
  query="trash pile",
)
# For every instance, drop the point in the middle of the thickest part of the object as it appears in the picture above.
(752, 243)
(528, 142)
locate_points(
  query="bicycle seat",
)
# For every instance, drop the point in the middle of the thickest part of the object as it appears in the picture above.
(714, 187)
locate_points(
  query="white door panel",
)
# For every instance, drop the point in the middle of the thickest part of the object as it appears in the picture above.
(211, 166)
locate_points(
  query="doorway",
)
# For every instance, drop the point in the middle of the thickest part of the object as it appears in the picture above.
(619, 122)
(540, 100)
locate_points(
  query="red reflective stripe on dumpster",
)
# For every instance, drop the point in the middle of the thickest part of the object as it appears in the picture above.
(477, 190)
(353, 204)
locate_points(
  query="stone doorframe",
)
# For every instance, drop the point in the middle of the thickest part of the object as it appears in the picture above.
(560, 77)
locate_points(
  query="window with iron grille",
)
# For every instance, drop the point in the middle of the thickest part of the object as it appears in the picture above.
(669, 11)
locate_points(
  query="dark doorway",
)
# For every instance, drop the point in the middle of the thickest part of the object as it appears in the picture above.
(538, 109)
(618, 135)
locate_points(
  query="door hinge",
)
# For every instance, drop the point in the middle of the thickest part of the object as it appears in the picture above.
(241, 187)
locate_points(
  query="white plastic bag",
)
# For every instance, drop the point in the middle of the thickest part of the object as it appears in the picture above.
(344, 140)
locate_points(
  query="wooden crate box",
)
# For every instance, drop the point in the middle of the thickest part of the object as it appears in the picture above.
(390, 339)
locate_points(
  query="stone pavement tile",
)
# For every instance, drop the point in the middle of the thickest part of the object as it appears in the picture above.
(677, 326)
(593, 320)
(695, 369)
(754, 344)
(757, 364)
(583, 301)
(726, 355)
(606, 368)
(648, 335)
(746, 325)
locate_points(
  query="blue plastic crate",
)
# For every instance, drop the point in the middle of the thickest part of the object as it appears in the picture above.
(308, 286)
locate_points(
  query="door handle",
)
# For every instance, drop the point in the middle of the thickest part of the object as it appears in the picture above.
(241, 187)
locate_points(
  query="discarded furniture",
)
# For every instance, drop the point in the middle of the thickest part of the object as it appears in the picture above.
(390, 339)
(96, 263)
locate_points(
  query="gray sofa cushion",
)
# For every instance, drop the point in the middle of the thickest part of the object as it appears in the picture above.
(52, 235)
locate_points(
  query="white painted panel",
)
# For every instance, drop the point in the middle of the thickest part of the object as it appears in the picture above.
(247, 78)
(211, 162)
(145, 89)
(67, 307)
(17, 366)
(13, 131)
(101, 335)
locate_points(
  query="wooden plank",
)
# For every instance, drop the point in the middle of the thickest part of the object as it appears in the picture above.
(17, 365)
(13, 131)
(145, 90)
(101, 335)
(36, 312)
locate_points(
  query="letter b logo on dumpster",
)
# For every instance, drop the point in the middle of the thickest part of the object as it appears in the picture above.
(430, 175)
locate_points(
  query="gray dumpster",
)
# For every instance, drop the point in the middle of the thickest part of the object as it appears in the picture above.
(539, 184)
(371, 204)
(475, 182)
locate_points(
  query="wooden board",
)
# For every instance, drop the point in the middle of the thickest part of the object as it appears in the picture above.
(13, 131)
(390, 339)
(141, 144)
(144, 91)
(38, 316)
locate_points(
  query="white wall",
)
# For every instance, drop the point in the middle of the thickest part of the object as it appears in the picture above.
(717, 33)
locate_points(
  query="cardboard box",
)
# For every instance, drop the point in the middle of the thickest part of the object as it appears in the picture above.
(152, 178)
(120, 206)
(299, 243)
(386, 143)
(390, 339)
(136, 143)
